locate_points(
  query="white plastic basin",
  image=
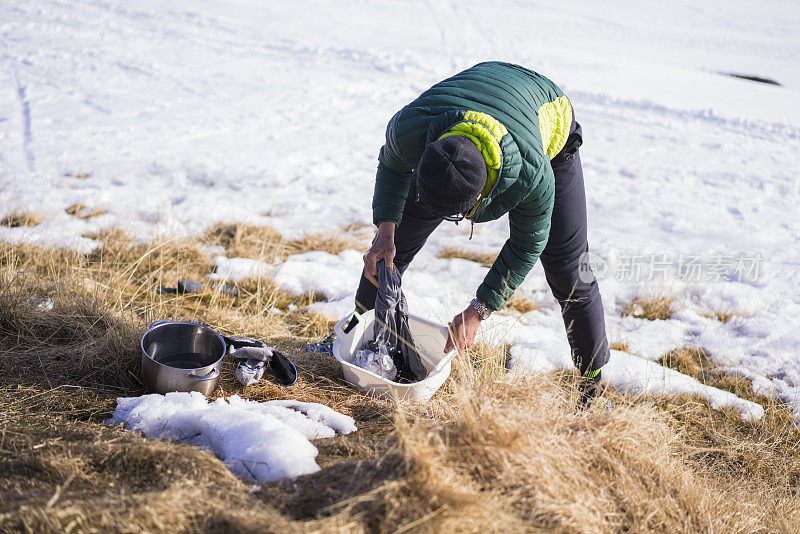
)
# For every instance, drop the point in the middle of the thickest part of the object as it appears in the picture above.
(430, 339)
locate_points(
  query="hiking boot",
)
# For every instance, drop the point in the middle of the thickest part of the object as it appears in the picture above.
(591, 391)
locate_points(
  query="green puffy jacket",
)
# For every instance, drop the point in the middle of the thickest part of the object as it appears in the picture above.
(520, 120)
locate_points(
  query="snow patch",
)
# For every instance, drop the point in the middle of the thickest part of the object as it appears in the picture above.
(238, 269)
(333, 276)
(638, 376)
(264, 441)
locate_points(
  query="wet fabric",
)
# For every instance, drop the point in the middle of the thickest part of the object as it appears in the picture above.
(381, 364)
(392, 334)
(253, 358)
(252, 363)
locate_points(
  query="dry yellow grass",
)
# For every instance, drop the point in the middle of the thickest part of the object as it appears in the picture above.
(264, 243)
(721, 316)
(724, 315)
(488, 453)
(82, 212)
(620, 345)
(521, 304)
(651, 307)
(692, 360)
(484, 258)
(698, 363)
(246, 241)
(21, 218)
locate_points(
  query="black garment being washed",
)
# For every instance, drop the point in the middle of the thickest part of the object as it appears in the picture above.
(392, 334)
(581, 305)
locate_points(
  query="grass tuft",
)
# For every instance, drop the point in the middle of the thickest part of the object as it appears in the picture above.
(325, 242)
(266, 244)
(246, 241)
(723, 316)
(620, 345)
(21, 218)
(521, 304)
(698, 363)
(657, 307)
(82, 212)
(692, 360)
(485, 259)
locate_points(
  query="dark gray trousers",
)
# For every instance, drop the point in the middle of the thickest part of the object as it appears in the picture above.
(581, 305)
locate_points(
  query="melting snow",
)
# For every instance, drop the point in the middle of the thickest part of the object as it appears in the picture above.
(263, 441)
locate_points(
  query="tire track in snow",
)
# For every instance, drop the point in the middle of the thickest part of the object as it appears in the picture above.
(25, 108)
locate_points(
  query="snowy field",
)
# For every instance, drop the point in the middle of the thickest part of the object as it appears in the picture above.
(172, 116)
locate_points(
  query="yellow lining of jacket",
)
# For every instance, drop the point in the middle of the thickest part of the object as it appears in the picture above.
(555, 119)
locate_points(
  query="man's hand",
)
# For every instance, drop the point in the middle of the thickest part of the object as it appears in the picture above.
(463, 328)
(382, 249)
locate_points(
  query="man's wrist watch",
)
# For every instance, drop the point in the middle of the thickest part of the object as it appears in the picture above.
(480, 307)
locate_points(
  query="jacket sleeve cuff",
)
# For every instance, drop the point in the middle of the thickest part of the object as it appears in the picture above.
(491, 298)
(378, 222)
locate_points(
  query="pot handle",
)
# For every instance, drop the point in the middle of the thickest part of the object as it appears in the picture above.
(238, 342)
(156, 323)
(214, 374)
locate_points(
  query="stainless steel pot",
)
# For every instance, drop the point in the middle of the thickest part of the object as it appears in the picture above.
(181, 356)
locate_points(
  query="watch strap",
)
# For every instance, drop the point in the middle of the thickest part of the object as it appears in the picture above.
(483, 311)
